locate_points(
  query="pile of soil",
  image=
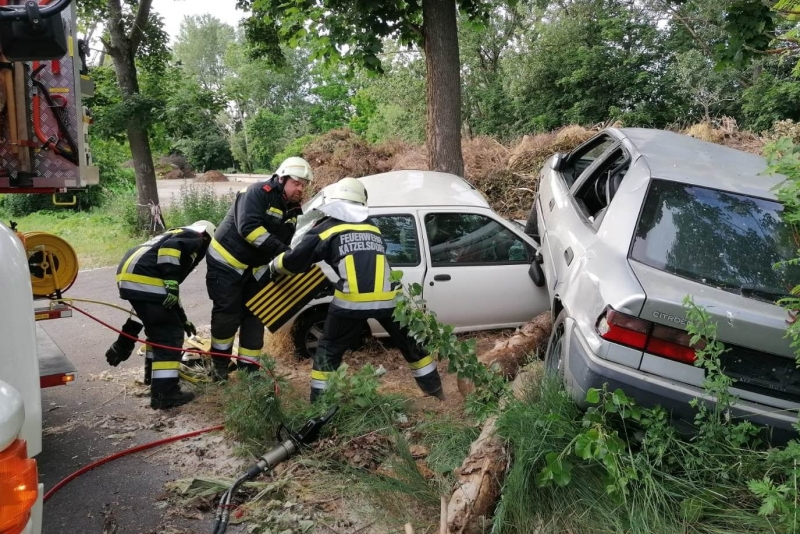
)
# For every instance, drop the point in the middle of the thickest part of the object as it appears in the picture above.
(211, 176)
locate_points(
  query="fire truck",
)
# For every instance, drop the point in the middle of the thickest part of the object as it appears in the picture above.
(44, 149)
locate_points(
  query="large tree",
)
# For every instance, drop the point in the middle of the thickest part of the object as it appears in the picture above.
(355, 30)
(134, 33)
(201, 47)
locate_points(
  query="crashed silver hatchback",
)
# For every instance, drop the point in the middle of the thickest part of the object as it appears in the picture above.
(630, 223)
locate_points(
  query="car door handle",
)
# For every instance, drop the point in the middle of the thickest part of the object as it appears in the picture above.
(442, 277)
(568, 255)
(552, 203)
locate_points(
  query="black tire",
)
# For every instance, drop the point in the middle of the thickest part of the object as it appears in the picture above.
(307, 332)
(554, 355)
(532, 224)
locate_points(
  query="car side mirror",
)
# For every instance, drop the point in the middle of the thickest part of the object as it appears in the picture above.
(557, 162)
(536, 273)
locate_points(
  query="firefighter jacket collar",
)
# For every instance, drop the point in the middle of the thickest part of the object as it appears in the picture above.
(345, 211)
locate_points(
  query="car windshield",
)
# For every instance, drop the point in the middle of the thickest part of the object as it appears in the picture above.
(734, 242)
(309, 217)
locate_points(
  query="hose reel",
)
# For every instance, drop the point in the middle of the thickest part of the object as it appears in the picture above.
(52, 262)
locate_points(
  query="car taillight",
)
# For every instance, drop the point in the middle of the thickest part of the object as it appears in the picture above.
(19, 487)
(637, 333)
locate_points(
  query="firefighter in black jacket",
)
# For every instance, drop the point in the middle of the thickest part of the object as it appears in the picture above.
(258, 226)
(149, 276)
(348, 240)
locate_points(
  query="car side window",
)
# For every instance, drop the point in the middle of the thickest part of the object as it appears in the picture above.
(594, 192)
(402, 242)
(583, 157)
(469, 238)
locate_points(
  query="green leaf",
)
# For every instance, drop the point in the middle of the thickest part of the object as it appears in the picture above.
(593, 396)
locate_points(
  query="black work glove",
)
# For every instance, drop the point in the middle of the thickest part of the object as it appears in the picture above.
(189, 328)
(122, 348)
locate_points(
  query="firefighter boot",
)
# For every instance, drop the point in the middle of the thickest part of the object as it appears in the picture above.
(220, 368)
(170, 399)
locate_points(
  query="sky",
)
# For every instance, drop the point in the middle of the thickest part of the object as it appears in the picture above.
(173, 12)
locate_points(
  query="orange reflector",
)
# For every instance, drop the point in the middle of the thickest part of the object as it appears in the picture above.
(66, 379)
(19, 487)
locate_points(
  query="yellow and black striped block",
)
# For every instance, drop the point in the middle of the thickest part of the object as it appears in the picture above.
(285, 296)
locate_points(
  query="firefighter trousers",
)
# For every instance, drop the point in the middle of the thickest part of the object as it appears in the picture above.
(341, 332)
(229, 291)
(162, 326)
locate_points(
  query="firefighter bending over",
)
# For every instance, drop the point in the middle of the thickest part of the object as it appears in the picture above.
(149, 277)
(348, 240)
(258, 226)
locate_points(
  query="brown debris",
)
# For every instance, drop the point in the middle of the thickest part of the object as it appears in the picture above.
(211, 176)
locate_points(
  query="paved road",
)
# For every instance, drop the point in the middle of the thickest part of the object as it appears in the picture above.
(129, 492)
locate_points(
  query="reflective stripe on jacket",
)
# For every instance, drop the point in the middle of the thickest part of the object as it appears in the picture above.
(169, 256)
(357, 252)
(259, 224)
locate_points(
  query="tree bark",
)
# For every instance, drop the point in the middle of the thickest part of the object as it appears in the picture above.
(443, 92)
(123, 47)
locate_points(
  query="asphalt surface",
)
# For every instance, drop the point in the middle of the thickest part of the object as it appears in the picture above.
(126, 496)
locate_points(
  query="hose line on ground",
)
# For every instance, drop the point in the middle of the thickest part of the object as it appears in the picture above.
(126, 452)
(167, 347)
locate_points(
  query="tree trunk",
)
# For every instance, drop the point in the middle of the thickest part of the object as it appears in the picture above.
(123, 50)
(443, 92)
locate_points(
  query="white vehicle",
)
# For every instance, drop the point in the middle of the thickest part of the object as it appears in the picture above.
(476, 268)
(20, 400)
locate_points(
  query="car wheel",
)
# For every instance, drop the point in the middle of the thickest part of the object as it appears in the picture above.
(307, 332)
(554, 356)
(532, 224)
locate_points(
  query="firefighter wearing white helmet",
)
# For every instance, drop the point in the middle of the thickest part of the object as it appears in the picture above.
(258, 226)
(350, 242)
(149, 277)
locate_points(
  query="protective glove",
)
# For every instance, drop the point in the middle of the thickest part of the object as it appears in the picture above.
(122, 348)
(173, 296)
(189, 328)
(273, 271)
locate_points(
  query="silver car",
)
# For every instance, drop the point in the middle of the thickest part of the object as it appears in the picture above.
(630, 223)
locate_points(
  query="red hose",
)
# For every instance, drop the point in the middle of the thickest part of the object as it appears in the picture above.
(126, 452)
(191, 351)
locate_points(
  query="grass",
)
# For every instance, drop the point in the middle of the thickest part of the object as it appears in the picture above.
(665, 496)
(99, 237)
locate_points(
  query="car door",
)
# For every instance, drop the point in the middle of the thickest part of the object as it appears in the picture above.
(400, 231)
(567, 228)
(477, 270)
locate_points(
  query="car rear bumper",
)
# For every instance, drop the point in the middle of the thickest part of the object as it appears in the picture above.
(584, 370)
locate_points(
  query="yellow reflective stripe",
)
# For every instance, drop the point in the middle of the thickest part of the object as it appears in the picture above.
(350, 269)
(422, 363)
(227, 255)
(166, 366)
(279, 265)
(319, 375)
(309, 282)
(223, 341)
(255, 234)
(169, 252)
(380, 272)
(276, 210)
(135, 255)
(346, 227)
(366, 297)
(249, 352)
(140, 279)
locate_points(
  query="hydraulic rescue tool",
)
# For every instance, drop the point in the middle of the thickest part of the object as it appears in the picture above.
(289, 444)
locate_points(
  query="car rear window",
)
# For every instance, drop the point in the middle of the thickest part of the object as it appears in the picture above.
(735, 242)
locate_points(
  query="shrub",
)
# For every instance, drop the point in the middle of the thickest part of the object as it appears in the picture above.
(198, 202)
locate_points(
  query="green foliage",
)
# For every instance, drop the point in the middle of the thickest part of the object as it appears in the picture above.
(439, 339)
(253, 410)
(770, 99)
(196, 202)
(264, 132)
(619, 467)
(294, 148)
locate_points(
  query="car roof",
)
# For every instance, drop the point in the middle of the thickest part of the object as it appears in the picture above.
(420, 188)
(680, 158)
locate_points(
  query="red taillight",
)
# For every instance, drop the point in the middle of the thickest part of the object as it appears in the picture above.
(623, 329)
(19, 487)
(656, 339)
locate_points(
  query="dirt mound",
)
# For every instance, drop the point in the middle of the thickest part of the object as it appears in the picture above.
(173, 167)
(726, 132)
(341, 153)
(211, 176)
